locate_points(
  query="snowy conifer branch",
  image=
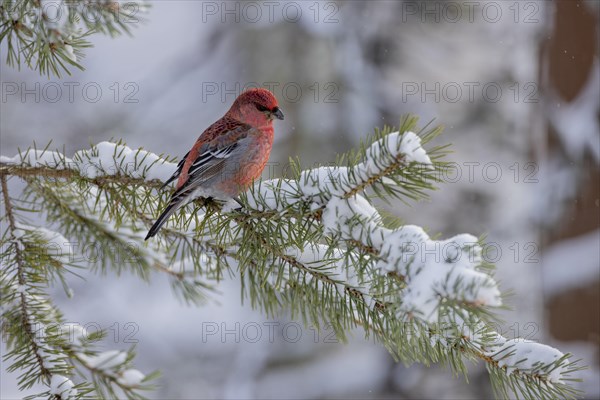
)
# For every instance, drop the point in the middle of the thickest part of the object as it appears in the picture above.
(21, 312)
(312, 243)
(33, 328)
(50, 35)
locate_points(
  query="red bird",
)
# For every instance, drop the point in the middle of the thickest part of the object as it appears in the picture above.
(228, 156)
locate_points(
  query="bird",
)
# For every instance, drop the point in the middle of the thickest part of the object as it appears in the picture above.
(228, 156)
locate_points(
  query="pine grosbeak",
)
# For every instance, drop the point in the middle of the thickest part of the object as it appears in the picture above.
(228, 156)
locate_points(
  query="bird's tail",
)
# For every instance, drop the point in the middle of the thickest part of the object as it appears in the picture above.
(171, 208)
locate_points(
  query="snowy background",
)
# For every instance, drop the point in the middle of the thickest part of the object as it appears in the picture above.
(526, 176)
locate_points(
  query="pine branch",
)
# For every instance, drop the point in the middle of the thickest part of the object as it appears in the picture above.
(51, 38)
(30, 324)
(26, 316)
(313, 244)
(7, 170)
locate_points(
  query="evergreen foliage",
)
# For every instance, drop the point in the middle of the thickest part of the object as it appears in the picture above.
(312, 243)
(51, 36)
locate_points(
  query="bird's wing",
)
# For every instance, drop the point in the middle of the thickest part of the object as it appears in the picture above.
(211, 157)
(177, 171)
(210, 161)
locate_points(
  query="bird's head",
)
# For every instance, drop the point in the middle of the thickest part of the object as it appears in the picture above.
(256, 107)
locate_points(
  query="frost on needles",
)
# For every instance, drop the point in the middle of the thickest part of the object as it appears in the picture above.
(312, 243)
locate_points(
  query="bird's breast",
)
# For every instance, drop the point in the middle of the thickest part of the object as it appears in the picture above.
(256, 157)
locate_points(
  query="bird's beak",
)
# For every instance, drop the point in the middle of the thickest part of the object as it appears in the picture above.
(277, 113)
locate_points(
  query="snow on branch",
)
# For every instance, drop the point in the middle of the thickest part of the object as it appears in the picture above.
(313, 243)
(105, 159)
(434, 271)
(530, 358)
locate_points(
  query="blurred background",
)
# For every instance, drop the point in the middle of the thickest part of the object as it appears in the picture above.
(516, 84)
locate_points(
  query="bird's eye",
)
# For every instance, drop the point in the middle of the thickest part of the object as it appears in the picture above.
(261, 108)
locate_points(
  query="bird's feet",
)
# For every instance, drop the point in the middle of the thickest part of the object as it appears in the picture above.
(219, 205)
